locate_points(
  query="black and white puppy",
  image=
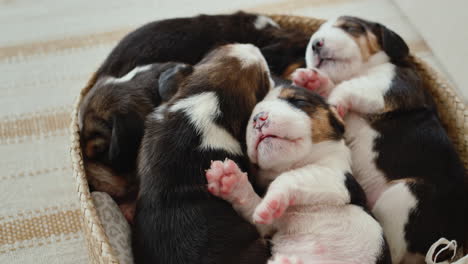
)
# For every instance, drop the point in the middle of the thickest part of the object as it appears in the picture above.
(177, 220)
(401, 154)
(313, 203)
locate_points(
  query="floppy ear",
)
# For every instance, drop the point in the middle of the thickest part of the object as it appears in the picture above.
(127, 132)
(170, 80)
(392, 43)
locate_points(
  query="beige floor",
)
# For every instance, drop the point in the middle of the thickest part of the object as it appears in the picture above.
(48, 49)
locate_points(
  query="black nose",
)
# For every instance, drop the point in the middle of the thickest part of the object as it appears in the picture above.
(317, 44)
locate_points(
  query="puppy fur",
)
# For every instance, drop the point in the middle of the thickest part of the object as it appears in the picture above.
(111, 120)
(313, 203)
(177, 220)
(112, 113)
(401, 154)
(189, 39)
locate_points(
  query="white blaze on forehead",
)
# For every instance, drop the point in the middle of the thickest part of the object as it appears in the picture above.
(262, 21)
(129, 76)
(202, 109)
(247, 54)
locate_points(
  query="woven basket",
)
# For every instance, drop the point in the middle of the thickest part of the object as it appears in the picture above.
(452, 111)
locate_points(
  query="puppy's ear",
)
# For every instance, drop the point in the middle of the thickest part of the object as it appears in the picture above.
(170, 80)
(127, 132)
(392, 43)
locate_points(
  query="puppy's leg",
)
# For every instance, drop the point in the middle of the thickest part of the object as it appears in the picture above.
(392, 210)
(363, 94)
(415, 214)
(307, 185)
(227, 181)
(314, 80)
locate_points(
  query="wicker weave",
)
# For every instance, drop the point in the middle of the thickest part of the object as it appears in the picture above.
(452, 111)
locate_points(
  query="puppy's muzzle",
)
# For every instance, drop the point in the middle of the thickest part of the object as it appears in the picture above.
(317, 45)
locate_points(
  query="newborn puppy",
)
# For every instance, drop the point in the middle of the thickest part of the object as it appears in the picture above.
(189, 39)
(111, 120)
(112, 113)
(177, 220)
(313, 203)
(401, 155)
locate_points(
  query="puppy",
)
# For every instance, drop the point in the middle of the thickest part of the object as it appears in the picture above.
(189, 39)
(111, 120)
(313, 203)
(177, 220)
(401, 155)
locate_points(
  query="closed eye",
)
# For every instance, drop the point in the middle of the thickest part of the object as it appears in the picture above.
(298, 102)
(353, 29)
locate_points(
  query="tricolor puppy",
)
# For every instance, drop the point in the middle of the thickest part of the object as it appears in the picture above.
(313, 203)
(177, 220)
(402, 156)
(112, 113)
(112, 118)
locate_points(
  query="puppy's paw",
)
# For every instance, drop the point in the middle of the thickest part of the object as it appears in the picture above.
(341, 104)
(225, 180)
(311, 79)
(272, 207)
(280, 259)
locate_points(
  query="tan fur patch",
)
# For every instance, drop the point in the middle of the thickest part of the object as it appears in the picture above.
(104, 180)
(286, 93)
(321, 127)
(367, 42)
(290, 69)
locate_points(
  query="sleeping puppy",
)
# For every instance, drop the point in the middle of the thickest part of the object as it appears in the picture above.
(401, 154)
(177, 220)
(313, 203)
(112, 128)
(189, 39)
(111, 123)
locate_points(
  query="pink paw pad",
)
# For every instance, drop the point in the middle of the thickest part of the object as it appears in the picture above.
(342, 110)
(271, 208)
(223, 178)
(310, 79)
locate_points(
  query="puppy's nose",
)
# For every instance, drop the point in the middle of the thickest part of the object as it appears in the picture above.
(260, 120)
(317, 45)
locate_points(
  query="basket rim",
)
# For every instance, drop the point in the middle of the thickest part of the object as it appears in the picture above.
(91, 222)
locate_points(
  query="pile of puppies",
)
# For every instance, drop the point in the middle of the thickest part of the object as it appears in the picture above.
(196, 130)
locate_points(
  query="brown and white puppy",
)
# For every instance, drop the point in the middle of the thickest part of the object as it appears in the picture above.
(111, 120)
(314, 205)
(112, 113)
(402, 156)
(177, 220)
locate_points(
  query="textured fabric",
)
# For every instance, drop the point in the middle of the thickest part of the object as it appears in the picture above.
(115, 225)
(48, 50)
